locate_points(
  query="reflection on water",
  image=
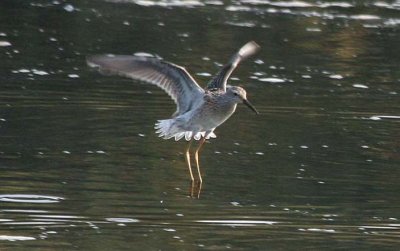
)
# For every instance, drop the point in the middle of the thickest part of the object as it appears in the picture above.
(309, 225)
(81, 167)
(29, 198)
(195, 189)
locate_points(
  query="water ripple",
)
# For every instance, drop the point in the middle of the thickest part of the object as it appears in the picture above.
(16, 238)
(30, 198)
(238, 223)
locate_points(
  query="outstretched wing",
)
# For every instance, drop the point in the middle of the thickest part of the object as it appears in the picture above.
(219, 81)
(173, 79)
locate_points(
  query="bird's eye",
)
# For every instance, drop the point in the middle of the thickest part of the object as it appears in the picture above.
(235, 93)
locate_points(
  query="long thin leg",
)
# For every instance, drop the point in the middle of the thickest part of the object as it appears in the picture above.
(198, 190)
(196, 157)
(187, 157)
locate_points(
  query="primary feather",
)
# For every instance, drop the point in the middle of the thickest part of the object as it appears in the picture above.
(173, 79)
(220, 80)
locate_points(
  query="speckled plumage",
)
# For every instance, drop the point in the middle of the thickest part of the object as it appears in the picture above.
(197, 123)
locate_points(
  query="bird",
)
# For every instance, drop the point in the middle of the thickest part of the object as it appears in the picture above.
(199, 110)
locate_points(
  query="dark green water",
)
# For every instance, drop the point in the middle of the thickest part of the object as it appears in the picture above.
(81, 167)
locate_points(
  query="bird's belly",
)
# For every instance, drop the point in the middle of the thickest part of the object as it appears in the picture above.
(213, 117)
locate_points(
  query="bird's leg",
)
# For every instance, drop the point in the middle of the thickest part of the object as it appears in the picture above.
(198, 189)
(187, 157)
(192, 189)
(196, 157)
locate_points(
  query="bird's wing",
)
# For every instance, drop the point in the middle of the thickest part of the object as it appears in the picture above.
(220, 80)
(173, 79)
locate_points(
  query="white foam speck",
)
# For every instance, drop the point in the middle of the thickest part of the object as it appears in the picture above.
(234, 203)
(360, 86)
(336, 4)
(169, 230)
(259, 153)
(321, 230)
(173, 3)
(24, 71)
(16, 238)
(380, 117)
(4, 43)
(184, 34)
(39, 72)
(238, 222)
(214, 2)
(29, 198)
(204, 74)
(392, 22)
(73, 75)
(122, 220)
(375, 118)
(237, 8)
(242, 24)
(143, 54)
(365, 17)
(69, 8)
(272, 80)
(373, 26)
(259, 73)
(290, 4)
(313, 29)
(336, 76)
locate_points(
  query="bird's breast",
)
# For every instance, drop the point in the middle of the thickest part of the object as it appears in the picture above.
(218, 113)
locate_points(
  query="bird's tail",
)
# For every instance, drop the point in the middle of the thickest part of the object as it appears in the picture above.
(163, 128)
(167, 129)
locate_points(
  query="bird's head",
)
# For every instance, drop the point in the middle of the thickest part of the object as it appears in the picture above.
(238, 95)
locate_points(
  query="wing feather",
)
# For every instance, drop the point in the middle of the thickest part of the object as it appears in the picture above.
(220, 80)
(173, 79)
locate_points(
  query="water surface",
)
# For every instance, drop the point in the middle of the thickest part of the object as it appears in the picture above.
(82, 168)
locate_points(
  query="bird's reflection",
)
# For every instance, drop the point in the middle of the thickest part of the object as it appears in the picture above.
(195, 189)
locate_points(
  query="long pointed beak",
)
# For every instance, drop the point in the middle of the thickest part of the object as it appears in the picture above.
(246, 102)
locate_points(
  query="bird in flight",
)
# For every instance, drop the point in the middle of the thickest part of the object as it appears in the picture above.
(199, 111)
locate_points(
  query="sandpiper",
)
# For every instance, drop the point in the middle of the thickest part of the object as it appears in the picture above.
(199, 111)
